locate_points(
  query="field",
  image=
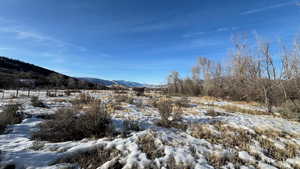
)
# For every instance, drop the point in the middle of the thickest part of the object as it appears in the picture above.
(113, 129)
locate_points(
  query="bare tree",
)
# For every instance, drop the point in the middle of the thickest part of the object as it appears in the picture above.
(174, 82)
(268, 79)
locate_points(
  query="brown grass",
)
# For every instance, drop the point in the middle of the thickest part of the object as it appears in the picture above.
(94, 159)
(234, 109)
(209, 98)
(170, 114)
(225, 135)
(182, 102)
(67, 125)
(83, 99)
(171, 163)
(36, 102)
(129, 126)
(9, 116)
(218, 160)
(214, 113)
(272, 151)
(147, 145)
(123, 98)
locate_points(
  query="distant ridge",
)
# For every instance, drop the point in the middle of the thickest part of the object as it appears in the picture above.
(116, 82)
(17, 74)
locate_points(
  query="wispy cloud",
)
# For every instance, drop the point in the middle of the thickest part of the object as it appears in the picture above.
(197, 34)
(5, 48)
(153, 27)
(257, 10)
(22, 33)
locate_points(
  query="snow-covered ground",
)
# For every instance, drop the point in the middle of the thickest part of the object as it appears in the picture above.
(187, 150)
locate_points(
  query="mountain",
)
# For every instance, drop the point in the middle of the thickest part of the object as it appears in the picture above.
(17, 74)
(115, 82)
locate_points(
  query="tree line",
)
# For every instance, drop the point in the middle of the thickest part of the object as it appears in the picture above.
(254, 73)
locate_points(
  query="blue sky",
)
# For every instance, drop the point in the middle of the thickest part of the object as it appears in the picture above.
(137, 40)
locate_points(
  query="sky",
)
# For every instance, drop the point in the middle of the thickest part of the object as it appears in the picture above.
(136, 40)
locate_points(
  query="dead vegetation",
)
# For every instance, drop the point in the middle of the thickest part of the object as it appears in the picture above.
(290, 110)
(148, 146)
(241, 139)
(94, 159)
(182, 102)
(214, 113)
(123, 98)
(83, 98)
(171, 163)
(10, 115)
(129, 126)
(217, 159)
(220, 133)
(68, 125)
(235, 109)
(275, 133)
(36, 102)
(280, 154)
(170, 114)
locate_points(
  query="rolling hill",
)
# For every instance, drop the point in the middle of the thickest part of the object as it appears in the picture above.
(18, 74)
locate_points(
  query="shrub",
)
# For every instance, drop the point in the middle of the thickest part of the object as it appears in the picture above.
(10, 115)
(123, 98)
(290, 110)
(83, 99)
(154, 102)
(37, 145)
(68, 93)
(67, 125)
(183, 102)
(36, 102)
(170, 114)
(130, 125)
(138, 102)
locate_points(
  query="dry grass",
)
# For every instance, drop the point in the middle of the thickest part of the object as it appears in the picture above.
(129, 126)
(83, 99)
(209, 98)
(94, 159)
(234, 109)
(214, 113)
(219, 133)
(250, 103)
(138, 103)
(36, 102)
(273, 133)
(68, 125)
(182, 102)
(148, 146)
(218, 160)
(9, 116)
(123, 98)
(171, 163)
(37, 145)
(272, 151)
(170, 114)
(290, 110)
